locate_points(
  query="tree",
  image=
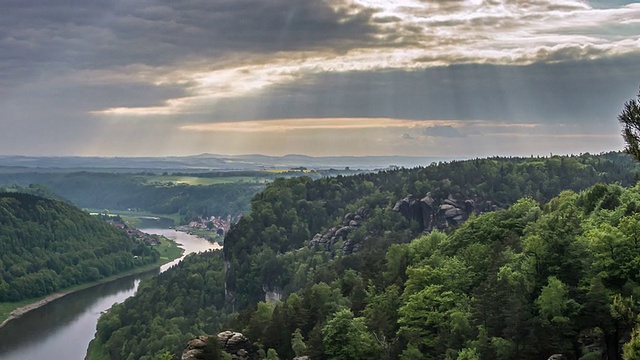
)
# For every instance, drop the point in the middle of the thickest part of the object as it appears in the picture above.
(630, 120)
(272, 354)
(631, 350)
(346, 338)
(297, 343)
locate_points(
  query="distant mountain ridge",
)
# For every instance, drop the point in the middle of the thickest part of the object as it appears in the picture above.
(216, 162)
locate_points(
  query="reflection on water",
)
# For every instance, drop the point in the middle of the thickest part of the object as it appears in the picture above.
(63, 328)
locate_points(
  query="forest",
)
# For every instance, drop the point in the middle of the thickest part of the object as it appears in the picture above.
(554, 270)
(48, 245)
(116, 191)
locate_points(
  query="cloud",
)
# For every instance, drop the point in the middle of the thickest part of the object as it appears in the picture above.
(74, 71)
(447, 131)
(334, 124)
(409, 37)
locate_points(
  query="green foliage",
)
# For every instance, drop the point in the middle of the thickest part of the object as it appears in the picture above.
(272, 354)
(297, 343)
(631, 350)
(168, 310)
(346, 338)
(212, 349)
(165, 356)
(629, 118)
(553, 301)
(468, 354)
(47, 245)
(520, 283)
(126, 191)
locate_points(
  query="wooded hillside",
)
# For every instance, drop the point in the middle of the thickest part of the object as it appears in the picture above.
(543, 274)
(48, 245)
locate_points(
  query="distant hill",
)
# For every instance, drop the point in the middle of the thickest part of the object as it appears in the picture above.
(111, 191)
(207, 162)
(48, 245)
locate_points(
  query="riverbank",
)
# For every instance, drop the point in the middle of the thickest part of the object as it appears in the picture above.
(210, 236)
(168, 250)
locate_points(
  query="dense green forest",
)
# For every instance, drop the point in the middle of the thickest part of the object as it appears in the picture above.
(545, 274)
(126, 191)
(48, 245)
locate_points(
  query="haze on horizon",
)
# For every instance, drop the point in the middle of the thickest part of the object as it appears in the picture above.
(457, 78)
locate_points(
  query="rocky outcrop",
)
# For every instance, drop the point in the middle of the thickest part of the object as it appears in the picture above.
(431, 214)
(234, 343)
(195, 348)
(328, 239)
(410, 208)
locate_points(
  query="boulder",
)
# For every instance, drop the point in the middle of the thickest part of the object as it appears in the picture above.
(342, 232)
(362, 212)
(348, 218)
(195, 348)
(236, 344)
(427, 206)
(350, 222)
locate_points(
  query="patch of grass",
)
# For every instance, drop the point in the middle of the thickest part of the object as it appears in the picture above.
(211, 236)
(196, 180)
(168, 250)
(133, 216)
(131, 221)
(7, 307)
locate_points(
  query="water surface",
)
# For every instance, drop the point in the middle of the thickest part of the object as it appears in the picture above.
(63, 328)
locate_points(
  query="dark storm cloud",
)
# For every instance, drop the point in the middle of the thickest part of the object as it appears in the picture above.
(582, 92)
(59, 35)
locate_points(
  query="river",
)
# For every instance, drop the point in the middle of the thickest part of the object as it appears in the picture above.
(63, 328)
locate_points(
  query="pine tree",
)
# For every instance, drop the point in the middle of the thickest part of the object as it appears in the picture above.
(630, 120)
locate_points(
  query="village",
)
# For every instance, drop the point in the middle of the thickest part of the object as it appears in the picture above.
(216, 224)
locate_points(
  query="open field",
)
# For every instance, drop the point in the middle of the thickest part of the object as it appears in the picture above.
(197, 180)
(132, 217)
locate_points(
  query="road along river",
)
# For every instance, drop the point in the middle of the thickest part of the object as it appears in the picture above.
(63, 328)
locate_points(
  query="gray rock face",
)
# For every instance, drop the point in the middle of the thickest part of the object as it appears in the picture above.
(430, 214)
(410, 208)
(194, 349)
(350, 222)
(234, 343)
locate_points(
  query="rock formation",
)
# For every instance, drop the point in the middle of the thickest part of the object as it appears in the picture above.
(350, 222)
(234, 343)
(431, 214)
(195, 348)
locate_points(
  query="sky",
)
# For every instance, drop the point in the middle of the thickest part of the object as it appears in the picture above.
(453, 78)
